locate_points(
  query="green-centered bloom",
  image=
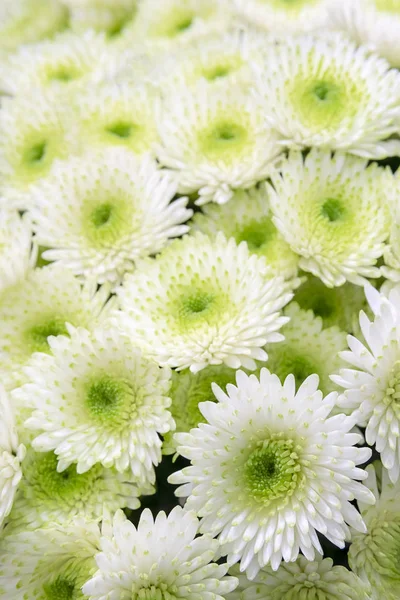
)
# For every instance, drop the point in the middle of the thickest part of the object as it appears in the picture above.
(247, 218)
(49, 563)
(307, 349)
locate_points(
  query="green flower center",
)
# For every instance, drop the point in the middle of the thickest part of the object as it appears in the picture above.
(35, 154)
(225, 139)
(111, 401)
(257, 234)
(174, 23)
(105, 223)
(272, 470)
(217, 72)
(122, 129)
(392, 393)
(332, 209)
(197, 303)
(37, 336)
(60, 589)
(63, 74)
(388, 5)
(101, 214)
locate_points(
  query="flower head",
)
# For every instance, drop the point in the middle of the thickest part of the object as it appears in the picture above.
(117, 403)
(17, 252)
(324, 91)
(203, 302)
(331, 210)
(159, 559)
(216, 142)
(247, 218)
(98, 214)
(110, 16)
(271, 469)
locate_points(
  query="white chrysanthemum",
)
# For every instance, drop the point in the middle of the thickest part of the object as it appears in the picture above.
(34, 131)
(118, 114)
(40, 306)
(374, 556)
(25, 21)
(271, 469)
(51, 563)
(305, 580)
(372, 386)
(110, 16)
(374, 23)
(216, 141)
(332, 211)
(17, 251)
(161, 558)
(286, 16)
(11, 455)
(45, 495)
(60, 64)
(117, 403)
(202, 302)
(100, 213)
(324, 91)
(307, 349)
(247, 218)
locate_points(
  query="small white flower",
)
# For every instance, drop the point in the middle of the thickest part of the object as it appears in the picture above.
(117, 403)
(324, 91)
(11, 455)
(17, 251)
(271, 469)
(215, 141)
(332, 211)
(160, 558)
(100, 213)
(372, 385)
(203, 301)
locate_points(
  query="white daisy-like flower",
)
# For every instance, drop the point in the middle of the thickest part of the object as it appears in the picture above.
(40, 306)
(374, 556)
(117, 403)
(187, 391)
(34, 130)
(307, 349)
(216, 141)
(271, 469)
(374, 23)
(247, 218)
(286, 16)
(100, 213)
(60, 64)
(372, 382)
(17, 250)
(26, 21)
(50, 563)
(324, 91)
(11, 455)
(308, 580)
(203, 302)
(118, 114)
(45, 495)
(332, 211)
(161, 558)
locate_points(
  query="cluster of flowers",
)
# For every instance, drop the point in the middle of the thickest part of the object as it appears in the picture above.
(200, 257)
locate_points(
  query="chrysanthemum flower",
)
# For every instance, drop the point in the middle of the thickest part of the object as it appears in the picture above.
(307, 349)
(118, 114)
(25, 21)
(374, 23)
(336, 306)
(11, 455)
(51, 563)
(216, 142)
(100, 213)
(33, 133)
(372, 386)
(110, 16)
(203, 301)
(117, 403)
(271, 469)
(59, 64)
(160, 558)
(326, 92)
(308, 580)
(332, 211)
(40, 306)
(286, 17)
(45, 495)
(247, 218)
(17, 252)
(374, 556)
(187, 391)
